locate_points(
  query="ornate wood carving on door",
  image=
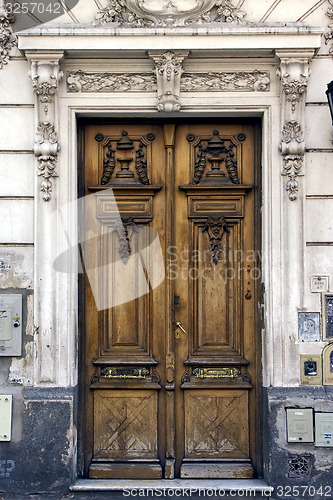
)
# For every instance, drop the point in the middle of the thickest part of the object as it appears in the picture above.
(171, 370)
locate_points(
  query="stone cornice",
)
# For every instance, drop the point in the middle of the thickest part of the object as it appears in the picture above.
(225, 40)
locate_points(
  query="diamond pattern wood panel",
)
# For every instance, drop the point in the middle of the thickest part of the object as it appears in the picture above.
(216, 424)
(125, 425)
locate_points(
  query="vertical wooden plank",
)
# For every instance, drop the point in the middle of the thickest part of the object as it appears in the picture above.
(169, 143)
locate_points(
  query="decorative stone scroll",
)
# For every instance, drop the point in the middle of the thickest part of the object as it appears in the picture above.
(7, 38)
(45, 75)
(168, 72)
(140, 13)
(294, 73)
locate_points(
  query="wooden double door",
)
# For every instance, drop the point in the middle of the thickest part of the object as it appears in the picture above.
(171, 343)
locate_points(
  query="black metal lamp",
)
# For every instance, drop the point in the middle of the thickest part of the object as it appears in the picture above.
(329, 93)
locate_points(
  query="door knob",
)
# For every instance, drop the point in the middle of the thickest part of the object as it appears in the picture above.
(179, 326)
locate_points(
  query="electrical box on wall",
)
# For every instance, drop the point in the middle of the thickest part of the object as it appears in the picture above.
(324, 429)
(6, 417)
(10, 325)
(311, 371)
(300, 425)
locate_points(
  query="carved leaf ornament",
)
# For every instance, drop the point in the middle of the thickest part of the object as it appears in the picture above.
(7, 38)
(140, 13)
(46, 150)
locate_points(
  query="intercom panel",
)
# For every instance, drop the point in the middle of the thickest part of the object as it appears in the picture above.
(10, 325)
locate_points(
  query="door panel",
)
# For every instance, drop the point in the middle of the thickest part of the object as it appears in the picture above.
(170, 364)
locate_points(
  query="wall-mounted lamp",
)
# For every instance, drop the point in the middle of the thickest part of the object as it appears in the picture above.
(329, 93)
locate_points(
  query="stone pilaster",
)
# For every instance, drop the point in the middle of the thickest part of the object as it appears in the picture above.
(293, 73)
(45, 74)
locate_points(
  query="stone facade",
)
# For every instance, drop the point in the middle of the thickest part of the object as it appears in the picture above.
(255, 59)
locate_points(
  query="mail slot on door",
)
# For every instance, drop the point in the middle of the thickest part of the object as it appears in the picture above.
(10, 325)
(324, 429)
(300, 425)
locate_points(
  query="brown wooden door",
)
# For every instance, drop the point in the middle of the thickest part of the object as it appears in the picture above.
(171, 363)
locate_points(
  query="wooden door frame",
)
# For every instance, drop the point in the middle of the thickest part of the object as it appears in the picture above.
(82, 439)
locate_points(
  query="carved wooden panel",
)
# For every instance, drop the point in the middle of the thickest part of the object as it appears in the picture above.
(216, 159)
(216, 204)
(216, 287)
(216, 424)
(130, 205)
(125, 424)
(124, 159)
(127, 326)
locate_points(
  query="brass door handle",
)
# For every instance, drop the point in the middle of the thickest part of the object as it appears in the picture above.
(179, 326)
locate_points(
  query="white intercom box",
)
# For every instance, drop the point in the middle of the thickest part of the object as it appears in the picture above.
(300, 425)
(324, 429)
(10, 325)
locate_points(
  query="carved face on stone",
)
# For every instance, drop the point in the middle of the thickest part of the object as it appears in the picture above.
(168, 6)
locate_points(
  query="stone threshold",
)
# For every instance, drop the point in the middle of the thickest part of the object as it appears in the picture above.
(194, 485)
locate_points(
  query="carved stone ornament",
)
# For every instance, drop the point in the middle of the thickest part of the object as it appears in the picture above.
(79, 81)
(293, 149)
(46, 150)
(294, 74)
(292, 167)
(7, 38)
(235, 81)
(294, 88)
(215, 227)
(45, 76)
(168, 72)
(169, 13)
(329, 35)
